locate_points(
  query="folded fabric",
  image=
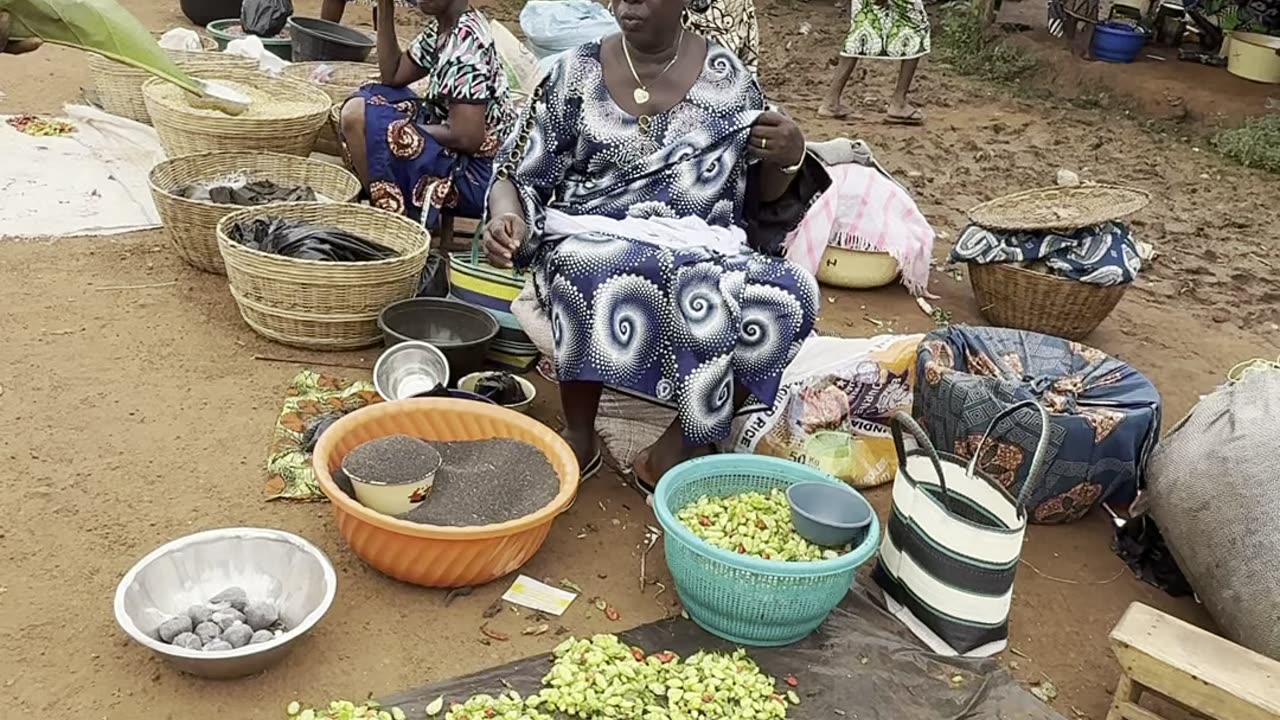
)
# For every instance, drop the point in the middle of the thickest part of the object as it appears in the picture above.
(866, 209)
(669, 233)
(1101, 255)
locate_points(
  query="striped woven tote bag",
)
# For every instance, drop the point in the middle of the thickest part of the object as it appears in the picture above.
(953, 542)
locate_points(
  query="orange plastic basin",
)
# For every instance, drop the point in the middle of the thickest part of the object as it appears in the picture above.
(434, 555)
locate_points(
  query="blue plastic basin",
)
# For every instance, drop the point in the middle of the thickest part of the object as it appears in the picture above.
(1116, 42)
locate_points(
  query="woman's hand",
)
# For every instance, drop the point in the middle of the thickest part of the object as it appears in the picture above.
(776, 139)
(503, 236)
(17, 47)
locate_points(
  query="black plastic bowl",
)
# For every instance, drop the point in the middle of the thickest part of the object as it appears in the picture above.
(203, 12)
(316, 39)
(460, 331)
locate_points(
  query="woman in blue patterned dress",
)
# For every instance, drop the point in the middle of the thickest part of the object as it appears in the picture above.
(624, 190)
(436, 151)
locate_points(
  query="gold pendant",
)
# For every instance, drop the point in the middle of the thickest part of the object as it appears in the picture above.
(641, 95)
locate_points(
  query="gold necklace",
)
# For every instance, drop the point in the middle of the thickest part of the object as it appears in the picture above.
(641, 93)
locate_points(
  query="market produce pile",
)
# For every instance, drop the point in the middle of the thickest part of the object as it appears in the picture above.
(226, 622)
(263, 105)
(605, 678)
(753, 523)
(307, 241)
(240, 189)
(480, 482)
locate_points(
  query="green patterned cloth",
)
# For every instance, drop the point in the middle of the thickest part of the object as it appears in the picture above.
(311, 395)
(892, 29)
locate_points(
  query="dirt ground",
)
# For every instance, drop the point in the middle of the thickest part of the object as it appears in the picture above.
(134, 416)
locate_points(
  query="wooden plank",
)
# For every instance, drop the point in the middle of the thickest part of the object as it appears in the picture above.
(1132, 711)
(1198, 669)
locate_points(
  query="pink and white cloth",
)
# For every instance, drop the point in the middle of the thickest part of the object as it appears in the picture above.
(865, 209)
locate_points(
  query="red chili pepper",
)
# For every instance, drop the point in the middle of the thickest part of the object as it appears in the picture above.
(779, 698)
(704, 521)
(489, 712)
(708, 697)
(665, 657)
(611, 613)
(741, 549)
(791, 680)
(638, 654)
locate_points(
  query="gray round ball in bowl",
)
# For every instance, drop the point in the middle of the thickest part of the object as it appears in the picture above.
(269, 565)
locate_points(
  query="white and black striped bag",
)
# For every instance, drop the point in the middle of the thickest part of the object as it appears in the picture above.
(953, 542)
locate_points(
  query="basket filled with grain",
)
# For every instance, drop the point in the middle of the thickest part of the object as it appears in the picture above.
(119, 86)
(191, 218)
(329, 303)
(339, 80)
(283, 116)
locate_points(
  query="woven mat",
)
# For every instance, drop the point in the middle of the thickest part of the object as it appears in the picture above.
(1059, 208)
(311, 395)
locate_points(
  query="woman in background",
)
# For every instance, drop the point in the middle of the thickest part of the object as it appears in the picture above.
(425, 153)
(731, 23)
(883, 30)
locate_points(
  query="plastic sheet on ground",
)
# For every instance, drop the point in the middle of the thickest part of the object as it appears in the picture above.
(861, 662)
(92, 182)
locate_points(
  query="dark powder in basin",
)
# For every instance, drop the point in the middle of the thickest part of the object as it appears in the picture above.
(482, 482)
(392, 460)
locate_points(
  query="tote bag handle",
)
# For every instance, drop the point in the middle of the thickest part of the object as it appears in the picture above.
(903, 419)
(1037, 459)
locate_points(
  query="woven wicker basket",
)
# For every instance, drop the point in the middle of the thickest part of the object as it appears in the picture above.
(1014, 297)
(323, 305)
(184, 132)
(347, 77)
(119, 86)
(192, 225)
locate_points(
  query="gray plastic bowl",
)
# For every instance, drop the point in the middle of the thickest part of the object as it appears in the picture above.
(829, 514)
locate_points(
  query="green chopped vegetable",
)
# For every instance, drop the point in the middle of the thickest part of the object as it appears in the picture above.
(435, 706)
(753, 523)
(100, 26)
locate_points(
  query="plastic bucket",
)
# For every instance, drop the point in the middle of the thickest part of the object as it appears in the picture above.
(1253, 57)
(1116, 42)
(315, 39)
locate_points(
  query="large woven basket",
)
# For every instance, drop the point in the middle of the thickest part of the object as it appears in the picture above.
(119, 86)
(323, 305)
(1014, 297)
(186, 131)
(192, 225)
(346, 78)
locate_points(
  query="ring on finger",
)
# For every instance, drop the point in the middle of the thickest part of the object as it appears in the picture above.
(764, 143)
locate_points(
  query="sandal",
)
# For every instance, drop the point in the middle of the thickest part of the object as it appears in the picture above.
(915, 117)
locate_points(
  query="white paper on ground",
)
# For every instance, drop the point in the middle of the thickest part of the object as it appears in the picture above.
(530, 593)
(93, 182)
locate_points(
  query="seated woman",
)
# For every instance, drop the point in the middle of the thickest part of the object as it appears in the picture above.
(401, 145)
(625, 191)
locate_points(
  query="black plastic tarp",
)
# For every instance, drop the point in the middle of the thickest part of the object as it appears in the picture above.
(861, 662)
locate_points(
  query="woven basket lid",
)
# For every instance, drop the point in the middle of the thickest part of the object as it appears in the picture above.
(1059, 208)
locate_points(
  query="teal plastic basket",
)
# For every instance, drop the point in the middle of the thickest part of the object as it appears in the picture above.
(749, 600)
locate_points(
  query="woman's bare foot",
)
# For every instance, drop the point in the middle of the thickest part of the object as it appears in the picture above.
(652, 463)
(838, 112)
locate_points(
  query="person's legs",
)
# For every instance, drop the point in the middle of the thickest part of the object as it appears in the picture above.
(900, 109)
(352, 130)
(670, 449)
(831, 106)
(332, 10)
(580, 402)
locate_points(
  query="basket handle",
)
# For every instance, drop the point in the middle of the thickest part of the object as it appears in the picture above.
(1037, 459)
(903, 419)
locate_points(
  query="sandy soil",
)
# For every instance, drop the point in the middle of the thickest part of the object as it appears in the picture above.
(138, 415)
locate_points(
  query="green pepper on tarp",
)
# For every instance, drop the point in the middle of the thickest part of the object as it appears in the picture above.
(100, 26)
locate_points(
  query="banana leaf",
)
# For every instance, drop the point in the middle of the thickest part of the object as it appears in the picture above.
(99, 26)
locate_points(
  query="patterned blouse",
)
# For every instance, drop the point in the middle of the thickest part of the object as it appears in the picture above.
(464, 67)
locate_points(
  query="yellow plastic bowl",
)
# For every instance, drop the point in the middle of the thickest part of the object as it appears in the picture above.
(469, 382)
(856, 269)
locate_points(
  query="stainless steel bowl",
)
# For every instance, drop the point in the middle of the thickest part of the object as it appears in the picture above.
(409, 369)
(268, 564)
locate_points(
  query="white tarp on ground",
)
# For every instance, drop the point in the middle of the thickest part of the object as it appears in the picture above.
(92, 182)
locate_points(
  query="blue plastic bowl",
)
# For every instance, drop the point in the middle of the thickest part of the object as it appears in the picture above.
(829, 514)
(749, 600)
(1116, 42)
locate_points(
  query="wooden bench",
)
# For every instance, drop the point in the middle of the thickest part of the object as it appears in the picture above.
(1191, 668)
